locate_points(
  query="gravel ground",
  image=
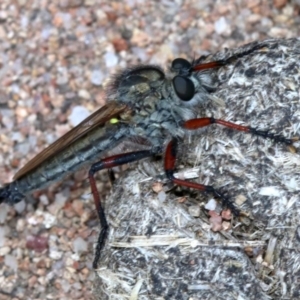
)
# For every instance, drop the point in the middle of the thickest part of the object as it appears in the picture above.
(55, 59)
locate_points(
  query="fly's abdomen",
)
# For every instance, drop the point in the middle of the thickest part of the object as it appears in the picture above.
(83, 152)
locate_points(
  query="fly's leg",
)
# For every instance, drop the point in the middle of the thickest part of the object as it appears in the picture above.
(193, 124)
(108, 163)
(198, 66)
(202, 122)
(170, 159)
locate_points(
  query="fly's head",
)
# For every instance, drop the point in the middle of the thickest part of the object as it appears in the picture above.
(193, 81)
(159, 101)
(188, 86)
(182, 83)
(142, 87)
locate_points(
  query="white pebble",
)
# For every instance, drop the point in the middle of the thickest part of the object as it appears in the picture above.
(79, 245)
(78, 114)
(54, 254)
(84, 94)
(221, 26)
(211, 204)
(97, 77)
(4, 250)
(17, 137)
(49, 220)
(111, 59)
(162, 196)
(20, 206)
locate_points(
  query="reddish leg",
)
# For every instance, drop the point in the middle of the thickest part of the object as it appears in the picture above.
(170, 159)
(220, 63)
(202, 122)
(209, 65)
(108, 163)
(171, 152)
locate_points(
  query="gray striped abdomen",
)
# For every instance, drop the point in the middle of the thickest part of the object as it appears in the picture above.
(84, 151)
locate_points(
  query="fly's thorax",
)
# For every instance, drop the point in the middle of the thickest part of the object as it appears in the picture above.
(139, 87)
(160, 124)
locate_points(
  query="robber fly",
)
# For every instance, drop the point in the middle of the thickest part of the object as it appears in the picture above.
(142, 102)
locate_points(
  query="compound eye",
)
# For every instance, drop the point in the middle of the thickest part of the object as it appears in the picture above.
(184, 88)
(180, 64)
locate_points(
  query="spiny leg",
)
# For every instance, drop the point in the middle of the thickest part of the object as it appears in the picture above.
(107, 163)
(193, 124)
(170, 159)
(184, 67)
(202, 122)
(198, 66)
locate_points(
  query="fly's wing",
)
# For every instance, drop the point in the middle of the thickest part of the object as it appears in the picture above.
(98, 118)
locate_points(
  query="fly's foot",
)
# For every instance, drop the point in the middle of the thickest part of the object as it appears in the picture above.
(226, 202)
(277, 138)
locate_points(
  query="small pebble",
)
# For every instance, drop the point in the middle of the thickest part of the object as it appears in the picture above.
(79, 245)
(78, 114)
(97, 77)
